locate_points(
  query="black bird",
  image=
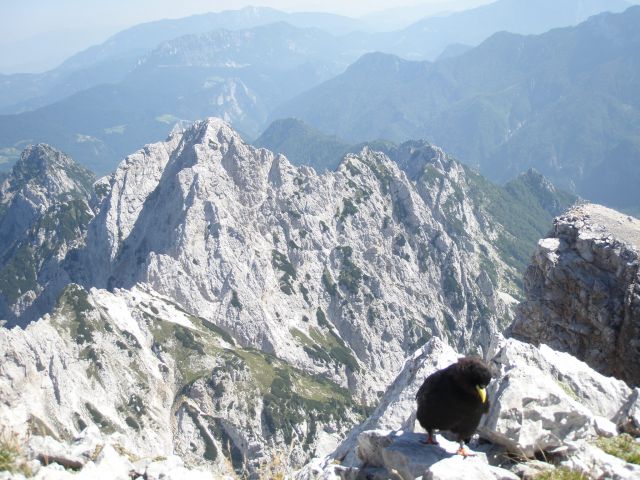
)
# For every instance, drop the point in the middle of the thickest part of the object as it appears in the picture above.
(454, 399)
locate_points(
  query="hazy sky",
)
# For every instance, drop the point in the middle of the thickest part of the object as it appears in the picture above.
(23, 19)
(38, 34)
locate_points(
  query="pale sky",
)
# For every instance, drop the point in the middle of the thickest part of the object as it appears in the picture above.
(36, 35)
(23, 19)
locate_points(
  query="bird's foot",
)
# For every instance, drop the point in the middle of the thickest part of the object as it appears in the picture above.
(429, 441)
(464, 453)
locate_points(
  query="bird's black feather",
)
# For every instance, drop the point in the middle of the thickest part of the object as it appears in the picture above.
(448, 399)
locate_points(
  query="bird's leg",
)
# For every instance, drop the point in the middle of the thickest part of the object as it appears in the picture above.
(431, 439)
(463, 451)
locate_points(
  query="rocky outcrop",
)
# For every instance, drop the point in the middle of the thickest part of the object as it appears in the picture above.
(402, 456)
(543, 403)
(583, 291)
(543, 400)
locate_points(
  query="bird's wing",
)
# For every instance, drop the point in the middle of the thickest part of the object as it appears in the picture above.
(428, 386)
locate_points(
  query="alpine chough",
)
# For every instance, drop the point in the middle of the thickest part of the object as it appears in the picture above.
(454, 399)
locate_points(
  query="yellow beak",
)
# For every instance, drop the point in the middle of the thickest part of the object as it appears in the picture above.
(482, 392)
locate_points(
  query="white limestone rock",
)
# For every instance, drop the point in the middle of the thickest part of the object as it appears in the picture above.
(628, 419)
(589, 459)
(543, 399)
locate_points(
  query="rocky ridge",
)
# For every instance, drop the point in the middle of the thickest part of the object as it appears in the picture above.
(583, 291)
(290, 262)
(44, 211)
(236, 295)
(158, 381)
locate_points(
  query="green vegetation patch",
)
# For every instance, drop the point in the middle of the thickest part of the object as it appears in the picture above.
(216, 330)
(562, 474)
(350, 274)
(348, 208)
(525, 213)
(235, 301)
(295, 397)
(19, 274)
(187, 347)
(74, 309)
(622, 446)
(12, 456)
(335, 348)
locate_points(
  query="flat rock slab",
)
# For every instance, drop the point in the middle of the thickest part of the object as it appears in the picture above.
(403, 455)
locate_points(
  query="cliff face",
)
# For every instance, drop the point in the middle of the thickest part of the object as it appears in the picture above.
(583, 291)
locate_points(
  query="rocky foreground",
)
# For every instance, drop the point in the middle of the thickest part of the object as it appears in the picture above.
(544, 404)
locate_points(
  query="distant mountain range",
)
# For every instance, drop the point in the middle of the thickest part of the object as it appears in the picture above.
(427, 38)
(110, 61)
(113, 98)
(566, 102)
(237, 75)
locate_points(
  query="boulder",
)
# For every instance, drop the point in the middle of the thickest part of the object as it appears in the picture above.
(543, 399)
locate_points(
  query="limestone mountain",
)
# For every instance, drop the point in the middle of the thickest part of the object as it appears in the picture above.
(222, 296)
(44, 212)
(234, 305)
(548, 101)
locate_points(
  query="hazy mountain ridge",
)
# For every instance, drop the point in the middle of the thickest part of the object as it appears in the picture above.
(109, 104)
(110, 61)
(548, 102)
(230, 74)
(428, 38)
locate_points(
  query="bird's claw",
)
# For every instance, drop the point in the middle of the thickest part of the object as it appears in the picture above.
(464, 453)
(429, 441)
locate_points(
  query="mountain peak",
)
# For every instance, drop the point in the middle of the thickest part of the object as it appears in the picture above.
(211, 130)
(51, 169)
